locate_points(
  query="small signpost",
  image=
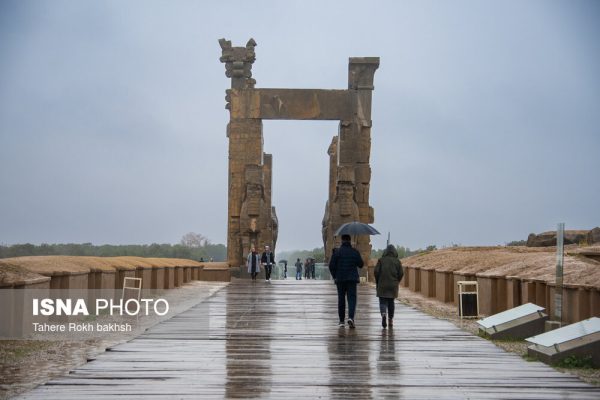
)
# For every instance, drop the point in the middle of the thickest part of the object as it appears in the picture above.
(558, 292)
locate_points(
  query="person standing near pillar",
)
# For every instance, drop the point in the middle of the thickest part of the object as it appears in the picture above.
(298, 270)
(267, 260)
(307, 268)
(344, 266)
(253, 263)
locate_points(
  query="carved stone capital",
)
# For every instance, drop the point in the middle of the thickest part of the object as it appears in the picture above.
(361, 71)
(238, 63)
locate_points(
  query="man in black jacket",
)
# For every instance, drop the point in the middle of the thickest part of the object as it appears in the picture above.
(267, 260)
(343, 266)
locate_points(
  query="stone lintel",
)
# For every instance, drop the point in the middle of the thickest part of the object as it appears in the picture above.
(299, 104)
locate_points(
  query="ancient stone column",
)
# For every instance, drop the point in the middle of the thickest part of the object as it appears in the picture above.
(328, 227)
(245, 145)
(270, 237)
(355, 140)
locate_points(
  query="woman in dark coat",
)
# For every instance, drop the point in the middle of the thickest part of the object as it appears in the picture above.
(253, 263)
(388, 273)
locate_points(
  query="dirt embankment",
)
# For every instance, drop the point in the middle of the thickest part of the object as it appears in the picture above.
(515, 261)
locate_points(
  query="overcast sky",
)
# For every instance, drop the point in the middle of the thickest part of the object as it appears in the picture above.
(486, 117)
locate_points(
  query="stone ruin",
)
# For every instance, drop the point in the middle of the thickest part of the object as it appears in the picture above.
(580, 237)
(252, 220)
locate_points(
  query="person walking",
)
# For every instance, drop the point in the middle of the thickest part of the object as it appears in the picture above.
(284, 269)
(388, 274)
(306, 269)
(298, 270)
(267, 259)
(313, 267)
(253, 263)
(344, 266)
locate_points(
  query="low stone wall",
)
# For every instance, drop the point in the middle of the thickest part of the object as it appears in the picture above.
(499, 293)
(99, 280)
(48, 272)
(14, 321)
(215, 271)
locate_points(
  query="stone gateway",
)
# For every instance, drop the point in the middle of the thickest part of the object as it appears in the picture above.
(252, 220)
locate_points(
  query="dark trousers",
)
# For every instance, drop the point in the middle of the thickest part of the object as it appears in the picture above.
(346, 290)
(254, 273)
(268, 269)
(386, 306)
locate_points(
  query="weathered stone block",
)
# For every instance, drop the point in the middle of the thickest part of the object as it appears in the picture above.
(299, 104)
(195, 272)
(513, 292)
(98, 280)
(178, 276)
(169, 278)
(415, 279)
(595, 302)
(157, 280)
(528, 292)
(407, 276)
(187, 274)
(145, 274)
(428, 282)
(217, 273)
(540, 293)
(69, 281)
(443, 286)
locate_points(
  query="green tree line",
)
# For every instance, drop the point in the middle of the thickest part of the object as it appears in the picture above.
(318, 253)
(216, 251)
(403, 252)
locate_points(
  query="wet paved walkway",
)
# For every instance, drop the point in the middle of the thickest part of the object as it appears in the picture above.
(281, 341)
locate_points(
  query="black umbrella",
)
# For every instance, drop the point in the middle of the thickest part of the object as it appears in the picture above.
(283, 261)
(356, 228)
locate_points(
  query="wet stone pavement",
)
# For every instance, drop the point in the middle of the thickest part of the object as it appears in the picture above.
(281, 340)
